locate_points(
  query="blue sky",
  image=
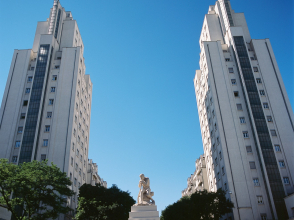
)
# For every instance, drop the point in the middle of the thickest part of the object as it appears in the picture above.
(142, 56)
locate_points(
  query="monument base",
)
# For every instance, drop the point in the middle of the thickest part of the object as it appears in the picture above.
(145, 212)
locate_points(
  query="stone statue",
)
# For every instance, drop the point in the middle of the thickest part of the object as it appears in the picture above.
(145, 194)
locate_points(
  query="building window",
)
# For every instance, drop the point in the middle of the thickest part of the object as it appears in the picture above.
(84, 163)
(54, 77)
(286, 180)
(70, 176)
(255, 68)
(22, 115)
(218, 176)
(258, 80)
(215, 160)
(75, 182)
(84, 176)
(14, 159)
(265, 105)
(220, 155)
(242, 120)
(273, 133)
(225, 186)
(79, 82)
(43, 157)
(282, 163)
(28, 90)
(17, 144)
(77, 152)
(81, 158)
(71, 161)
(252, 165)
(52, 89)
(259, 200)
(223, 170)
(233, 81)
(256, 182)
(245, 134)
(74, 132)
(239, 107)
(73, 147)
(248, 149)
(51, 101)
(49, 114)
(80, 171)
(47, 128)
(57, 66)
(80, 126)
(30, 79)
(261, 92)
(76, 168)
(236, 93)
(269, 118)
(25, 102)
(231, 70)
(45, 143)
(85, 151)
(277, 148)
(19, 130)
(227, 59)
(263, 216)
(78, 94)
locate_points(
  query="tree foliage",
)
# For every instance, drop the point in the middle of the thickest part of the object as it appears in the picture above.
(39, 191)
(200, 205)
(98, 202)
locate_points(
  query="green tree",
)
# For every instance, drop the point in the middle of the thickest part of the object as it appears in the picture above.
(98, 202)
(200, 205)
(39, 191)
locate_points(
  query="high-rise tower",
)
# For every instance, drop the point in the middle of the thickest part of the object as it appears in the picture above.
(46, 107)
(246, 119)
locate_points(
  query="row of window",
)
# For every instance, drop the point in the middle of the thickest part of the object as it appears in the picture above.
(231, 69)
(14, 158)
(30, 78)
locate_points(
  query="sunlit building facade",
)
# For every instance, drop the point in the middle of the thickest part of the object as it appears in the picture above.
(198, 180)
(46, 107)
(245, 115)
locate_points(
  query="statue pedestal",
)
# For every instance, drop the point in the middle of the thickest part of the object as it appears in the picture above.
(148, 212)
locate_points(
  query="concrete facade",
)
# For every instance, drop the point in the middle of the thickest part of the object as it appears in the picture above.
(198, 180)
(245, 116)
(92, 175)
(289, 200)
(46, 107)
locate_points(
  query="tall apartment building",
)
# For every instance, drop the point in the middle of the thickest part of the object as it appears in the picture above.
(198, 180)
(245, 115)
(46, 107)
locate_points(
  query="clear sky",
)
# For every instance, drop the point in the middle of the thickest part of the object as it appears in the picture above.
(142, 56)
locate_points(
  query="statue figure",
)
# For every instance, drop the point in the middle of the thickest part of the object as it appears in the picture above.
(145, 194)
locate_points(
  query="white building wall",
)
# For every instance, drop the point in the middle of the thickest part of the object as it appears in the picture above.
(220, 120)
(68, 138)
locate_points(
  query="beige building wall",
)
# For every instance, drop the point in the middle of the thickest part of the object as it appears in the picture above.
(245, 116)
(198, 180)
